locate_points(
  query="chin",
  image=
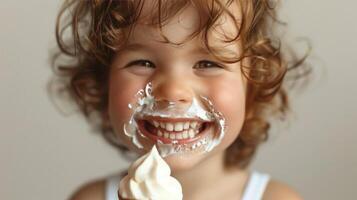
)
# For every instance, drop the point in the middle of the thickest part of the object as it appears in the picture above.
(185, 162)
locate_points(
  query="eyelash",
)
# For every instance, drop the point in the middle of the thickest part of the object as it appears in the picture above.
(211, 64)
(139, 62)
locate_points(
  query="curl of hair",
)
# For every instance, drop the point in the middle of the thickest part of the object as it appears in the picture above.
(90, 32)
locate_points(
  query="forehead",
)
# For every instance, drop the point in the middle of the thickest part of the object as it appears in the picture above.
(180, 26)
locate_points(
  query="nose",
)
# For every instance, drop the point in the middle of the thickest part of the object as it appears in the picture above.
(172, 89)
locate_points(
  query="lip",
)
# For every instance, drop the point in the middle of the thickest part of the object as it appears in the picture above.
(172, 119)
(155, 138)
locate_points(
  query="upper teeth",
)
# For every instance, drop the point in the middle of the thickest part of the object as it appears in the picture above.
(178, 126)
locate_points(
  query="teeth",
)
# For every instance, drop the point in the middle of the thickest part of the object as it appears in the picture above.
(169, 126)
(183, 130)
(162, 125)
(166, 135)
(159, 133)
(185, 135)
(186, 125)
(156, 124)
(179, 136)
(191, 133)
(193, 124)
(179, 126)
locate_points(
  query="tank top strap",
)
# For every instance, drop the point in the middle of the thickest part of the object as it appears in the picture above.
(256, 186)
(111, 187)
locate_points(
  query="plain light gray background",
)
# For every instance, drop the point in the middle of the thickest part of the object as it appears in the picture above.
(44, 155)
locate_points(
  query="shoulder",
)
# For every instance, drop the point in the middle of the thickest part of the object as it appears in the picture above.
(90, 191)
(277, 190)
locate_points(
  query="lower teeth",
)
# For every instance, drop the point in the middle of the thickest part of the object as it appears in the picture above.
(186, 134)
(181, 135)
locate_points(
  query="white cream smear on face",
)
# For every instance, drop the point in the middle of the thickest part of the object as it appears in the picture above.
(146, 106)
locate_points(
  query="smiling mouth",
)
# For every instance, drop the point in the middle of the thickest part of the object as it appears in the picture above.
(174, 131)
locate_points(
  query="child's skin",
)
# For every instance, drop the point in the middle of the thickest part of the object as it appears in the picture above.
(179, 74)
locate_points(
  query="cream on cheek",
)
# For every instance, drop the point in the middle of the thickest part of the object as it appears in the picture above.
(122, 90)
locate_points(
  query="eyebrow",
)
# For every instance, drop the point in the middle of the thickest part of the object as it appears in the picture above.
(132, 47)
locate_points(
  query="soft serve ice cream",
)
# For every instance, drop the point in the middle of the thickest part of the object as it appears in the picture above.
(149, 179)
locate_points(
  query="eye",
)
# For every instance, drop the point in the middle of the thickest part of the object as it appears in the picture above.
(143, 63)
(140, 67)
(207, 64)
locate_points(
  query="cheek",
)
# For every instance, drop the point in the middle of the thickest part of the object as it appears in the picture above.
(229, 99)
(121, 93)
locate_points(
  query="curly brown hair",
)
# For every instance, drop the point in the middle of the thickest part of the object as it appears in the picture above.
(91, 32)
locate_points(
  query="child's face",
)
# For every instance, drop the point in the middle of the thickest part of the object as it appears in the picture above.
(178, 74)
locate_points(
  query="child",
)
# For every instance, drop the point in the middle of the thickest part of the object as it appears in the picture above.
(219, 54)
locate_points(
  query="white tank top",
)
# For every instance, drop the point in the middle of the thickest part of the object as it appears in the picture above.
(253, 191)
